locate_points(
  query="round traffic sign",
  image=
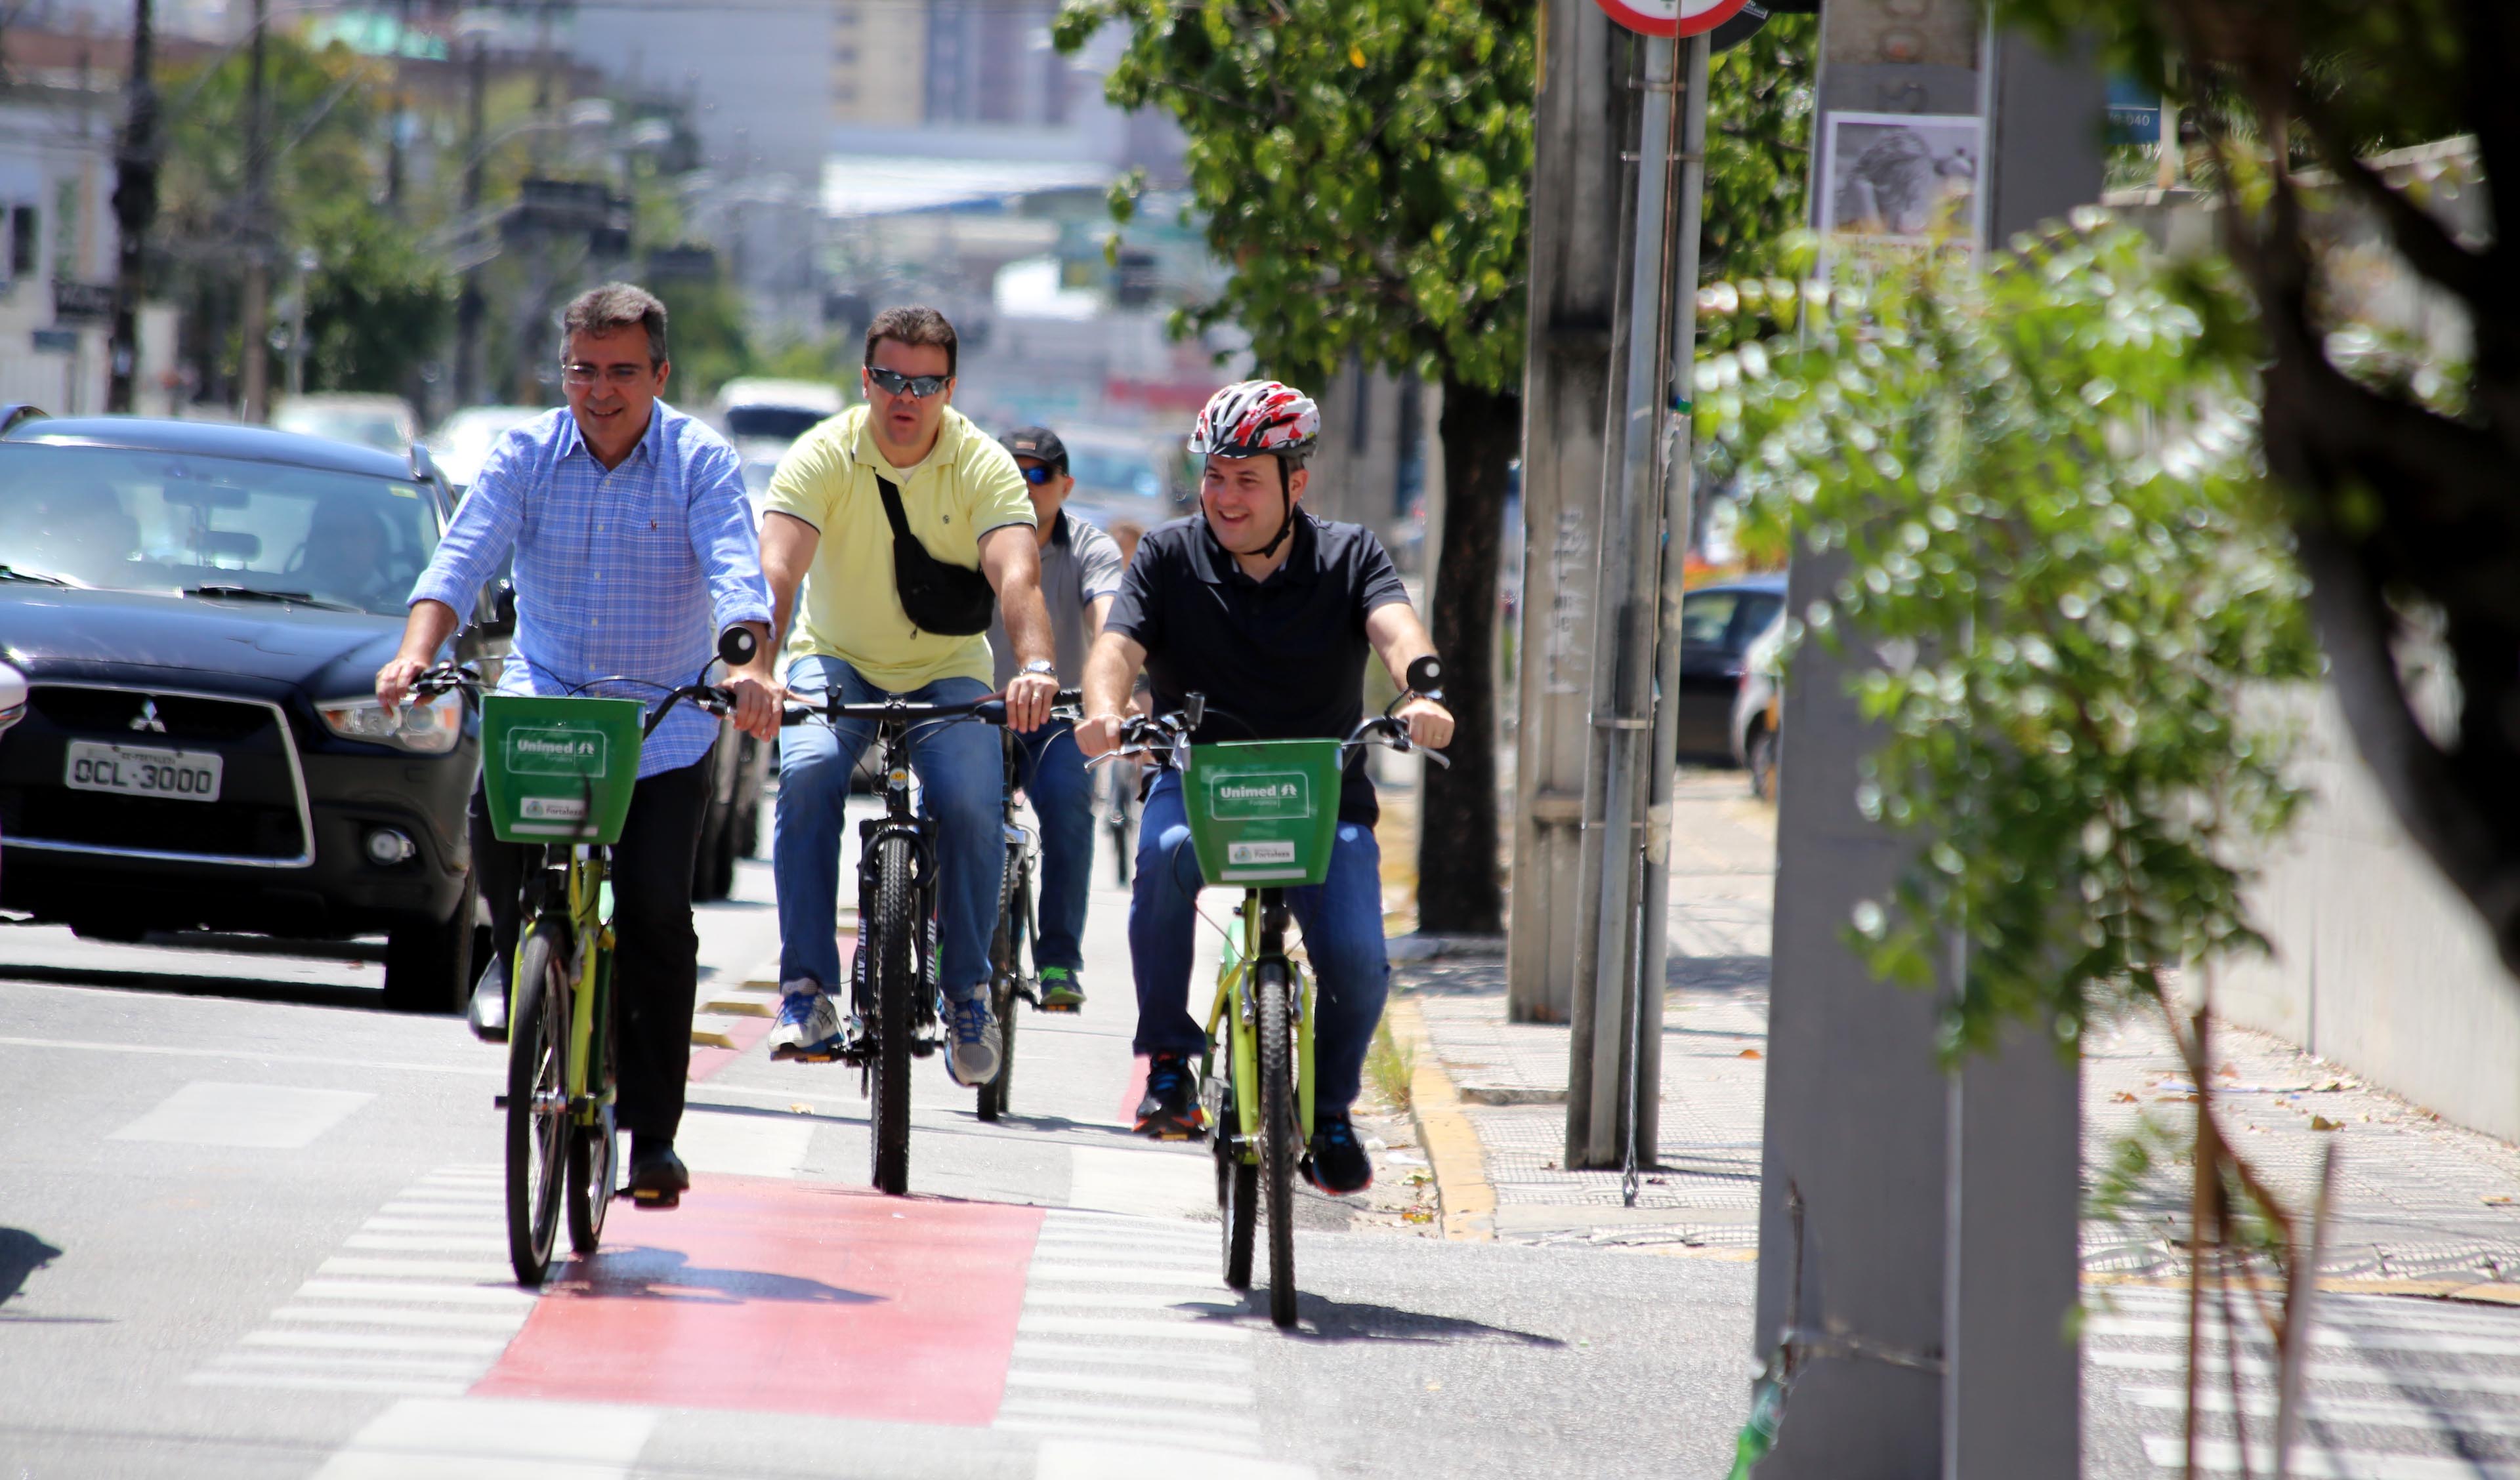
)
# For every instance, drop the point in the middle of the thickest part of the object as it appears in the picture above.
(1671, 18)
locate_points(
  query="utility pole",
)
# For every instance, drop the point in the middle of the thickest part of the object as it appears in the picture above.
(135, 206)
(468, 308)
(1579, 118)
(1924, 1222)
(254, 333)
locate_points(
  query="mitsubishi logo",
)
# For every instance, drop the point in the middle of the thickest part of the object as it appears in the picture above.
(147, 718)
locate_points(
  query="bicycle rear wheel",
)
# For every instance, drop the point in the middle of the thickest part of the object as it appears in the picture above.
(537, 1103)
(595, 1150)
(888, 936)
(1006, 973)
(1281, 1133)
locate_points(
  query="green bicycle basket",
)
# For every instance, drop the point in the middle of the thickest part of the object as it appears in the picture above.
(1264, 812)
(559, 769)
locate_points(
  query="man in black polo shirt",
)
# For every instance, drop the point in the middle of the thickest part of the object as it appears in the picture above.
(1270, 612)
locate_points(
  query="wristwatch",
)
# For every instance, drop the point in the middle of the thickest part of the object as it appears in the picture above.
(1042, 666)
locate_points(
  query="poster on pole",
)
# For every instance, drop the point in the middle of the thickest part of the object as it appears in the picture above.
(1671, 18)
(1901, 179)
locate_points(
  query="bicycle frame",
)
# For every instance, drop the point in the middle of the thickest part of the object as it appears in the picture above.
(1263, 912)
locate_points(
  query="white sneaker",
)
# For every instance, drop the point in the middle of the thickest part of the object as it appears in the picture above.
(974, 1059)
(808, 1019)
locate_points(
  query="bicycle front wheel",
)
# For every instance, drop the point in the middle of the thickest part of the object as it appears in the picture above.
(537, 1103)
(1006, 973)
(888, 936)
(1281, 1137)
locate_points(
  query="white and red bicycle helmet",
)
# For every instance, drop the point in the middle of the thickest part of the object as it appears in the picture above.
(1252, 418)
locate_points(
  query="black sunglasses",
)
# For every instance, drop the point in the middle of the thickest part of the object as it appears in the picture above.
(893, 382)
(1039, 473)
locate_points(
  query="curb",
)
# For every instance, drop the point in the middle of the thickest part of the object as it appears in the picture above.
(1463, 1196)
(2485, 1293)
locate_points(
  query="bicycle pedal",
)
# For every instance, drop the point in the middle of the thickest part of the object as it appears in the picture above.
(1064, 1009)
(653, 1202)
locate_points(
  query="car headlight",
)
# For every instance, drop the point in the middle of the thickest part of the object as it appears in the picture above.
(431, 728)
(13, 695)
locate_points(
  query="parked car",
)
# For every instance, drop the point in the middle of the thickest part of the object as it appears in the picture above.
(461, 442)
(1759, 707)
(200, 611)
(764, 416)
(1125, 475)
(1717, 624)
(384, 423)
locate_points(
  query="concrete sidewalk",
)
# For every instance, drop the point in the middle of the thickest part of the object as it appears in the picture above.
(2404, 1388)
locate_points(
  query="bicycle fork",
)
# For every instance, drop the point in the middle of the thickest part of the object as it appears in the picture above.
(1263, 913)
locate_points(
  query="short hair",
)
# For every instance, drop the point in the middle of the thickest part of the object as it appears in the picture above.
(914, 324)
(613, 307)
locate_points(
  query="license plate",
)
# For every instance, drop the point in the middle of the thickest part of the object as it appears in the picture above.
(191, 775)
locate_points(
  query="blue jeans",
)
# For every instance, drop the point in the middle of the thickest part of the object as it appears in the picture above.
(1341, 918)
(1051, 772)
(961, 772)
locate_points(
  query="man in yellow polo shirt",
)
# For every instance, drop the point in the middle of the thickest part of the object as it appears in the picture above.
(827, 529)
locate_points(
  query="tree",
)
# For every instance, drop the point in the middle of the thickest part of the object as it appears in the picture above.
(1363, 166)
(2403, 477)
(1758, 148)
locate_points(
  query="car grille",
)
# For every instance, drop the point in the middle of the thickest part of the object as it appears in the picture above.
(260, 816)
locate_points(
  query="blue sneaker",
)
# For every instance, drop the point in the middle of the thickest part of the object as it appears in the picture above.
(809, 1020)
(1171, 1111)
(1338, 1164)
(974, 1059)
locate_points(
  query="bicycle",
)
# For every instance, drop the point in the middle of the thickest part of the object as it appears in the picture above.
(1121, 821)
(1263, 814)
(559, 771)
(1017, 930)
(892, 978)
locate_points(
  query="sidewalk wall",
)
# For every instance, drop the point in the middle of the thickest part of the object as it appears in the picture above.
(2379, 964)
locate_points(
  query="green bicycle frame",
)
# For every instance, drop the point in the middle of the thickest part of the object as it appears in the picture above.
(1231, 1009)
(589, 920)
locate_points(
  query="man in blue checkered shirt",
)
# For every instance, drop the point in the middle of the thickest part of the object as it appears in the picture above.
(635, 547)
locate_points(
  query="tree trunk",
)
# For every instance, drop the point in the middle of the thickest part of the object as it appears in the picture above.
(1459, 891)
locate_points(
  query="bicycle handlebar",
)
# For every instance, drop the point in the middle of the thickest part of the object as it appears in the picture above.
(989, 709)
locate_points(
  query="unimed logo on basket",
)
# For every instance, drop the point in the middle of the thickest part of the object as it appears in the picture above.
(555, 751)
(1258, 795)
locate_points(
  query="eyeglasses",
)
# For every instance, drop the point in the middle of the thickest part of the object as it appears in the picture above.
(1039, 473)
(893, 382)
(580, 373)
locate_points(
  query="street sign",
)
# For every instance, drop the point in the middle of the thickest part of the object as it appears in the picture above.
(82, 302)
(1671, 18)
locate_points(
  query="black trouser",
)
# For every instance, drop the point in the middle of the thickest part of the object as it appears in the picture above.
(656, 957)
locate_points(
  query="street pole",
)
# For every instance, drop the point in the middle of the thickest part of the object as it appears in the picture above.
(468, 308)
(135, 206)
(1613, 1099)
(255, 328)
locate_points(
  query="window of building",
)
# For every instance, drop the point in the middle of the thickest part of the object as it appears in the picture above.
(25, 246)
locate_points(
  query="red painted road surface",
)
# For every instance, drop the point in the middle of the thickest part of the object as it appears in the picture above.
(785, 1296)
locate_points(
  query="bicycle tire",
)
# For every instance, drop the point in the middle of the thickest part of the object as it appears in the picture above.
(1281, 1133)
(888, 1112)
(538, 1125)
(1237, 1187)
(595, 1150)
(1006, 970)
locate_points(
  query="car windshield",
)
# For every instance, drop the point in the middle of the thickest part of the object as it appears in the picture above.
(132, 520)
(786, 422)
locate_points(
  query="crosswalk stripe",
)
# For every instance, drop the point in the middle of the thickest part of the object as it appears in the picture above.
(351, 1362)
(1125, 1386)
(416, 1268)
(360, 1341)
(1120, 1273)
(424, 1244)
(1043, 1324)
(2312, 1464)
(1028, 1350)
(2367, 1338)
(369, 1314)
(2399, 1413)
(416, 1387)
(415, 1292)
(1171, 1444)
(1122, 1413)
(2325, 1369)
(1175, 1297)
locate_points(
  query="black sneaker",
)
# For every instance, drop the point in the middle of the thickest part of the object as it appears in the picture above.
(488, 1013)
(1338, 1164)
(658, 1177)
(1171, 1111)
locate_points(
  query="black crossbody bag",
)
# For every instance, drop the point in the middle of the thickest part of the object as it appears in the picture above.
(940, 598)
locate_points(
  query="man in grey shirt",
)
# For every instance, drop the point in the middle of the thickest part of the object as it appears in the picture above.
(1080, 575)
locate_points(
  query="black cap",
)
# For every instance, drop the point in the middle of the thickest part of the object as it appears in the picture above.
(1039, 443)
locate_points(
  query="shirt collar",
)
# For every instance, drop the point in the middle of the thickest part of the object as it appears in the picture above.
(651, 442)
(1216, 565)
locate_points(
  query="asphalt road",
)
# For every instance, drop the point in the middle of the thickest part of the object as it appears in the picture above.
(248, 1227)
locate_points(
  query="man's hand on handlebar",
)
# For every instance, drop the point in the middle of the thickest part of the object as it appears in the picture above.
(394, 680)
(749, 678)
(1030, 696)
(1431, 724)
(1099, 735)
